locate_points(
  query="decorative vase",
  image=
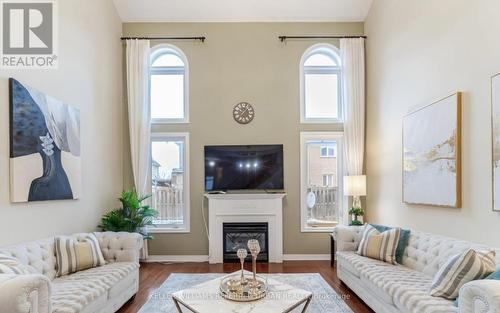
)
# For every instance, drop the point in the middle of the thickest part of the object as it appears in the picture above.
(254, 247)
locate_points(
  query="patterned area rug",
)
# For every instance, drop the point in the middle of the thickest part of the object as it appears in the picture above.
(325, 299)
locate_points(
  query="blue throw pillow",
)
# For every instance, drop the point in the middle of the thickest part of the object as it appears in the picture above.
(404, 237)
(495, 275)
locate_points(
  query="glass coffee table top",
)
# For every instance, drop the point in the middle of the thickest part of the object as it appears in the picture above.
(206, 298)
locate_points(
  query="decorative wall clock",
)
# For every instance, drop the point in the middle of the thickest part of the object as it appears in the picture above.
(243, 113)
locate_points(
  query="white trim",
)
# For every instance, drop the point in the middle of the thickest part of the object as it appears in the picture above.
(204, 258)
(177, 258)
(338, 70)
(304, 137)
(183, 57)
(306, 257)
(157, 136)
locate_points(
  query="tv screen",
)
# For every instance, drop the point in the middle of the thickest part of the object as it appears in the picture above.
(244, 167)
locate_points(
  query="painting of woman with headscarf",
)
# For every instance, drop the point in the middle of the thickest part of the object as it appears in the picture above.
(44, 146)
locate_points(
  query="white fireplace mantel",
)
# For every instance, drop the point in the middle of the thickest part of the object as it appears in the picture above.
(245, 208)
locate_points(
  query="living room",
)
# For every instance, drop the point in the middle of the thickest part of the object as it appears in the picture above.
(286, 156)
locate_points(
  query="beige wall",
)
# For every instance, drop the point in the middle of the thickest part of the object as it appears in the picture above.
(418, 52)
(89, 77)
(243, 62)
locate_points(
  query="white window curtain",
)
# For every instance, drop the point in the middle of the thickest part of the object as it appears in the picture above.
(352, 53)
(138, 111)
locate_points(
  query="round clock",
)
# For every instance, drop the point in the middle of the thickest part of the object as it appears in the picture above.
(243, 113)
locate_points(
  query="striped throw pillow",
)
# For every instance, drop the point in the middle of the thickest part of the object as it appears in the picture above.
(461, 269)
(10, 265)
(73, 255)
(380, 246)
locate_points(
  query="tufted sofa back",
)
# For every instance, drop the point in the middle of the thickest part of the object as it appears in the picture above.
(40, 254)
(427, 252)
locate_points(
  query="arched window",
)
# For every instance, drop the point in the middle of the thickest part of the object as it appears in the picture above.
(321, 85)
(168, 85)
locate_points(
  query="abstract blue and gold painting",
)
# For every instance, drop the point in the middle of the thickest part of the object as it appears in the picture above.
(44, 146)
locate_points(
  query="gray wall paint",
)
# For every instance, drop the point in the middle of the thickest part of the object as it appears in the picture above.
(89, 77)
(419, 52)
(242, 62)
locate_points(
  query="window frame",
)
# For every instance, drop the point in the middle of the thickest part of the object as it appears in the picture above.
(327, 155)
(186, 226)
(334, 53)
(155, 53)
(304, 177)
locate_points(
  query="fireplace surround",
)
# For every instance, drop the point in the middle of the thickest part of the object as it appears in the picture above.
(245, 208)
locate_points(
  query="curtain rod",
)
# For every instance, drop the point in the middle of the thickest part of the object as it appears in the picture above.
(284, 38)
(200, 38)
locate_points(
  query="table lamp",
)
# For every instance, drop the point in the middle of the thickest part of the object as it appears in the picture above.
(355, 186)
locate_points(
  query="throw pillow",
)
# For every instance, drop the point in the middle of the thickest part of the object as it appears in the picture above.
(495, 276)
(73, 255)
(380, 246)
(461, 269)
(404, 238)
(10, 265)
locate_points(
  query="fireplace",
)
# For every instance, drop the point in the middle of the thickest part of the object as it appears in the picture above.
(236, 235)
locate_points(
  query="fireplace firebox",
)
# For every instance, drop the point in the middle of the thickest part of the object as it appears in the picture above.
(236, 235)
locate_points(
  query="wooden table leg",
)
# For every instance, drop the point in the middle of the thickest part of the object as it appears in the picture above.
(332, 251)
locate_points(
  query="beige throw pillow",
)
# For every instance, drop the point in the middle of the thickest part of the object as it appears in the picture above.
(380, 246)
(73, 255)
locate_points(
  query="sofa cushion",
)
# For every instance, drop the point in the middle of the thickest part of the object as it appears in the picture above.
(355, 263)
(75, 254)
(404, 237)
(72, 293)
(408, 289)
(461, 269)
(380, 246)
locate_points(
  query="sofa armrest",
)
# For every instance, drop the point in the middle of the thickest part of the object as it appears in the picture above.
(25, 294)
(120, 246)
(347, 238)
(480, 296)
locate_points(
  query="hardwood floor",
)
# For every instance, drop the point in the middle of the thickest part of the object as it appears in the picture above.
(152, 275)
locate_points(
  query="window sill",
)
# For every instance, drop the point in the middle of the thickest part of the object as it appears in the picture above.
(319, 229)
(304, 120)
(168, 230)
(166, 121)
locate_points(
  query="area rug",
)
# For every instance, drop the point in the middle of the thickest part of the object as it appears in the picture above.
(325, 299)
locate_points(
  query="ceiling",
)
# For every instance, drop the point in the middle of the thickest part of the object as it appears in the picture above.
(241, 10)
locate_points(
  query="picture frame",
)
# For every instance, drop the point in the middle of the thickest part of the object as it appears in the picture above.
(431, 154)
(495, 140)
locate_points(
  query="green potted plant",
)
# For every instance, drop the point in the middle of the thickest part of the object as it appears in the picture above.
(133, 217)
(355, 213)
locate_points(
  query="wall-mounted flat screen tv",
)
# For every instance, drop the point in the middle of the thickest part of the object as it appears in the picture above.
(256, 167)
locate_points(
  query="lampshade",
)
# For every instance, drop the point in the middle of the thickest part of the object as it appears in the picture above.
(355, 185)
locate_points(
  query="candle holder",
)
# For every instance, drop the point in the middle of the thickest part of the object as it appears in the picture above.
(242, 254)
(254, 247)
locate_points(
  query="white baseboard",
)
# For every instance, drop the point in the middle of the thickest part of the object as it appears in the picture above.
(306, 257)
(177, 258)
(204, 258)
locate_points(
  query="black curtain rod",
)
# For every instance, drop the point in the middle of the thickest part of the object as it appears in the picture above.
(200, 38)
(283, 38)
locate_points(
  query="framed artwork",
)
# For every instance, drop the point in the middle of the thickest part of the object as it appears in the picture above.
(432, 154)
(44, 146)
(495, 126)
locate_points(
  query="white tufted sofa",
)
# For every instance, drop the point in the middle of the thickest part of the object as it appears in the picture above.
(98, 290)
(390, 288)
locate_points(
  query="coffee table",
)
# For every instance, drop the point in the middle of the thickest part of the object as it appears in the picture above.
(205, 298)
